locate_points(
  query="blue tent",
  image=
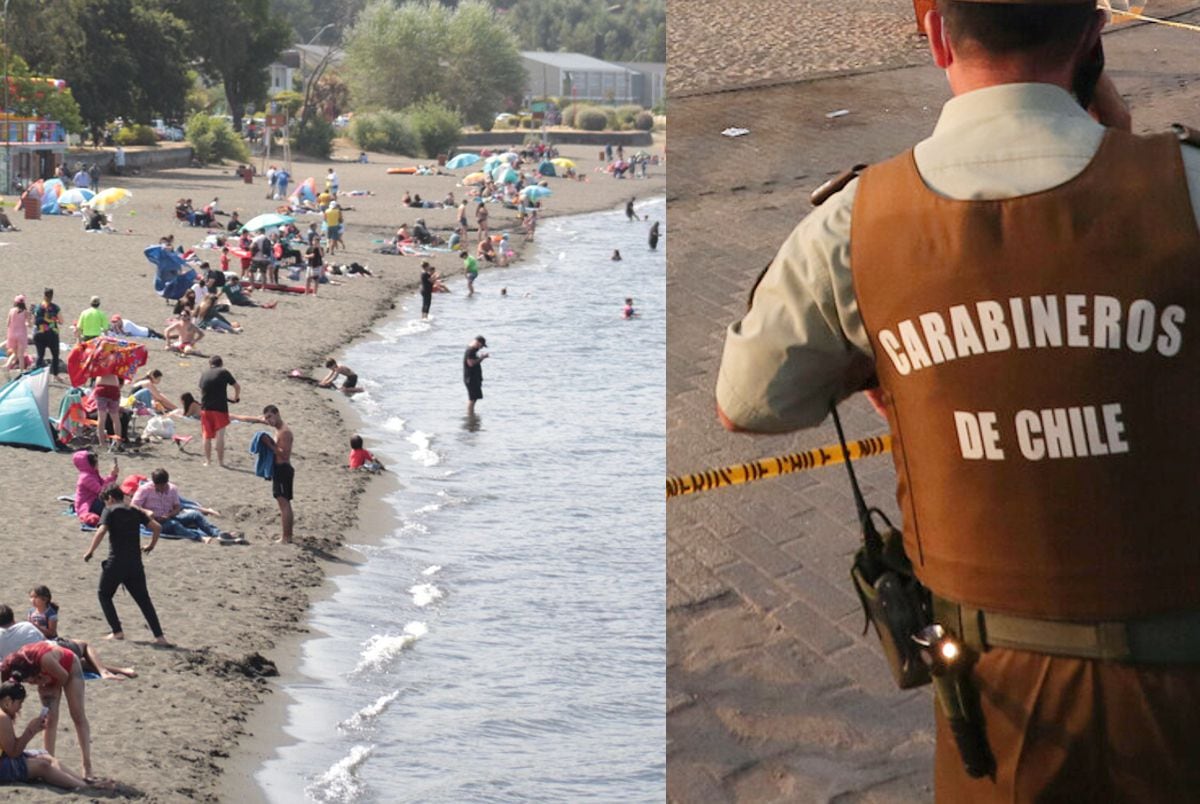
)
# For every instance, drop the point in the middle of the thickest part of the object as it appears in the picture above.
(546, 168)
(172, 276)
(25, 411)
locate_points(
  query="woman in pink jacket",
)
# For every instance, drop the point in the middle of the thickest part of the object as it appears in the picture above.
(88, 485)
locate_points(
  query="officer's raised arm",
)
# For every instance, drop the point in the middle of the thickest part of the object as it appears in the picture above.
(801, 343)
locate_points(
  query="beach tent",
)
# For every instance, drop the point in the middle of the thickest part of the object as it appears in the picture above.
(305, 191)
(268, 220)
(172, 275)
(546, 168)
(462, 161)
(25, 411)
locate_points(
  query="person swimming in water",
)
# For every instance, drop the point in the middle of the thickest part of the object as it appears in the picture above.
(627, 311)
(616, 257)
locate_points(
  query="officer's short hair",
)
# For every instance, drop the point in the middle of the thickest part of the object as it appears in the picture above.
(1051, 32)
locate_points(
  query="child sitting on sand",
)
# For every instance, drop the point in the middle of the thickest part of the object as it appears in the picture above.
(16, 766)
(361, 458)
(43, 612)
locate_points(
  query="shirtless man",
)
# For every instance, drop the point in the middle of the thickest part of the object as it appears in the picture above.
(349, 386)
(284, 474)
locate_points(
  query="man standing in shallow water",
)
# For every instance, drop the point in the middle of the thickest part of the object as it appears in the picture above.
(473, 372)
(284, 474)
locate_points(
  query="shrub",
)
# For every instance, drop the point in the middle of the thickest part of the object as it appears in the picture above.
(437, 128)
(591, 119)
(569, 115)
(315, 138)
(389, 132)
(610, 118)
(289, 102)
(136, 135)
(214, 140)
(626, 115)
(644, 121)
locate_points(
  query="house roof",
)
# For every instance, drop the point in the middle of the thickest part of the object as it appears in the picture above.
(656, 67)
(576, 62)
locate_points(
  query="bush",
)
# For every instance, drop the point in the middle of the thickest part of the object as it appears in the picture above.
(626, 115)
(289, 102)
(315, 138)
(136, 135)
(610, 118)
(437, 128)
(214, 140)
(389, 132)
(644, 121)
(591, 119)
(569, 115)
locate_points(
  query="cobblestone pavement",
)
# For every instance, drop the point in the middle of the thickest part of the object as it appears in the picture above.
(772, 692)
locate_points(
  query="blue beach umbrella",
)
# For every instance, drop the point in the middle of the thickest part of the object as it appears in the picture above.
(534, 192)
(270, 220)
(462, 161)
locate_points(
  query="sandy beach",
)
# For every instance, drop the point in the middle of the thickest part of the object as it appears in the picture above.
(235, 614)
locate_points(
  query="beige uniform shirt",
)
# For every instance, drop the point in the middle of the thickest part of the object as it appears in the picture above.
(795, 349)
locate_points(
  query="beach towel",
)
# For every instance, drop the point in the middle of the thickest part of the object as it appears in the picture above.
(264, 464)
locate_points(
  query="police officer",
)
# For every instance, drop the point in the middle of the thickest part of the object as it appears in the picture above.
(1022, 300)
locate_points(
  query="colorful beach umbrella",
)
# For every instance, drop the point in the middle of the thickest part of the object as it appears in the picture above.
(111, 198)
(462, 161)
(534, 192)
(510, 156)
(76, 196)
(563, 163)
(476, 178)
(270, 220)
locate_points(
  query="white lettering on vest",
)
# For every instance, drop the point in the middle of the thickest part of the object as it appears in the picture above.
(940, 347)
(966, 339)
(1046, 329)
(977, 435)
(1139, 332)
(1076, 320)
(913, 346)
(889, 343)
(1077, 432)
(991, 324)
(1171, 339)
(1106, 324)
(1018, 322)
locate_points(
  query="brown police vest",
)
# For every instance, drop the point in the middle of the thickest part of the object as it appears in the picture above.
(1056, 480)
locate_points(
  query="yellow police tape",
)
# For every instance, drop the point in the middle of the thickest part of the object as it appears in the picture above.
(774, 467)
(1136, 16)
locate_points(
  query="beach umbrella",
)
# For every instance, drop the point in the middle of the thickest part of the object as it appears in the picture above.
(563, 163)
(172, 274)
(270, 220)
(53, 187)
(490, 163)
(510, 156)
(76, 196)
(640, 154)
(534, 192)
(475, 178)
(462, 161)
(111, 198)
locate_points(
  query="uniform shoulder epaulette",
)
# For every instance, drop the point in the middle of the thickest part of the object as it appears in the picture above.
(1187, 134)
(835, 185)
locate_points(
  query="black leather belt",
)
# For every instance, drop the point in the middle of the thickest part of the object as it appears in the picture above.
(1162, 639)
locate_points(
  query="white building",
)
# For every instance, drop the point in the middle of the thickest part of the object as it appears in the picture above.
(576, 77)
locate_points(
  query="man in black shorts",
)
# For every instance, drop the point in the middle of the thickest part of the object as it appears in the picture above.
(283, 474)
(122, 525)
(426, 288)
(473, 372)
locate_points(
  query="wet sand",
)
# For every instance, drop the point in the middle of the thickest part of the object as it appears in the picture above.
(235, 613)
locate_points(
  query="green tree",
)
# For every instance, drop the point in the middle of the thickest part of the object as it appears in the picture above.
(100, 47)
(38, 96)
(235, 41)
(397, 56)
(634, 30)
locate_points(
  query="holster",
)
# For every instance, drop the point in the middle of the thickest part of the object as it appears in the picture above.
(896, 603)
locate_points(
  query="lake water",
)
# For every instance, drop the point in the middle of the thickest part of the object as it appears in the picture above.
(505, 641)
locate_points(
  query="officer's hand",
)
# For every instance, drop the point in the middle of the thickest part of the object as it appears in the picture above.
(875, 397)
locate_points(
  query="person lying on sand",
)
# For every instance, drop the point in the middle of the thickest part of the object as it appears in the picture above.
(349, 386)
(161, 498)
(15, 765)
(14, 635)
(121, 328)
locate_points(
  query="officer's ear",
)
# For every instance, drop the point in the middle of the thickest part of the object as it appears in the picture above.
(939, 40)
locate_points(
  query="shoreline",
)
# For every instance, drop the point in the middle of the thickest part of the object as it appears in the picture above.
(265, 727)
(189, 725)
